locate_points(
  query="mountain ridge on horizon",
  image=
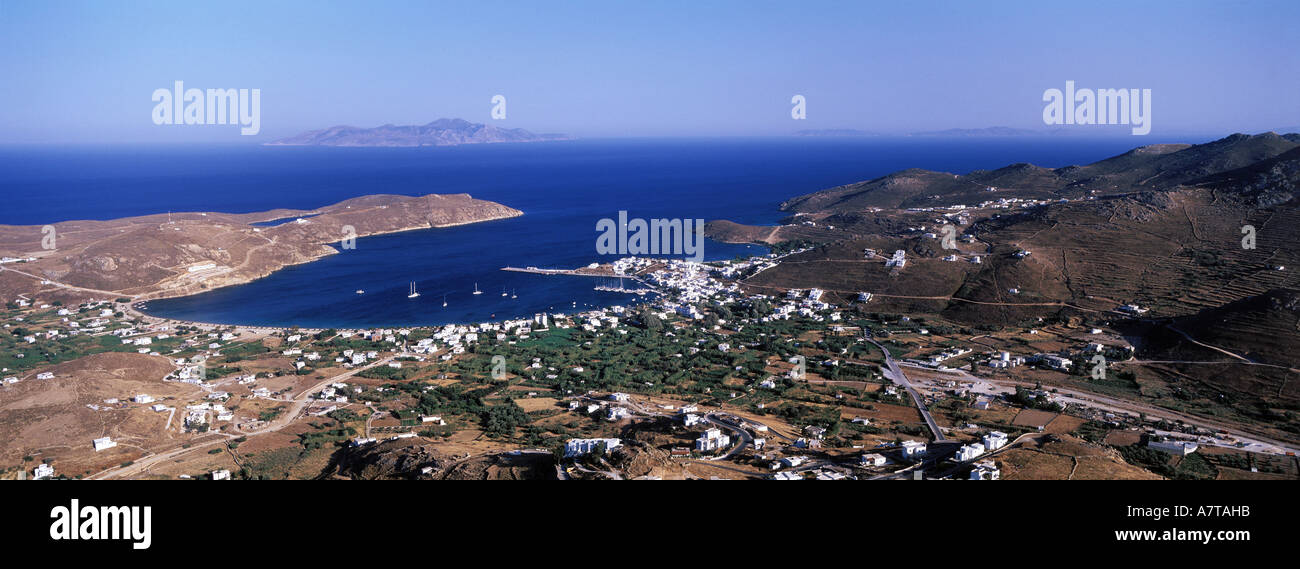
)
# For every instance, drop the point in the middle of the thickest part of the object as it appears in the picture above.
(439, 132)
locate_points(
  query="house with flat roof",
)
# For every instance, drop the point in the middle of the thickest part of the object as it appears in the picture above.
(580, 447)
(913, 449)
(985, 470)
(969, 452)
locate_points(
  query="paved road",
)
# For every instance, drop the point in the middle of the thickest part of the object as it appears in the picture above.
(895, 374)
(1254, 442)
(745, 438)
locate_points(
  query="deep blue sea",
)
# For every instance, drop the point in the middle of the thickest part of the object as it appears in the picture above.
(563, 188)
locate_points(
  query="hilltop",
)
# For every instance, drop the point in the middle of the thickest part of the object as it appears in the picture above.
(441, 132)
(1158, 225)
(1154, 167)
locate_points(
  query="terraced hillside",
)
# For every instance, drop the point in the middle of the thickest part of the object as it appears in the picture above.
(1161, 227)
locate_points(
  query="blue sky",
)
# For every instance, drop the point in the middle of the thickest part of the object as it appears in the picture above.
(85, 71)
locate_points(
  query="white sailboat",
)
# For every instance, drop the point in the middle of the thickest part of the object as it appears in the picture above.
(476, 290)
(513, 295)
(444, 301)
(503, 291)
(413, 293)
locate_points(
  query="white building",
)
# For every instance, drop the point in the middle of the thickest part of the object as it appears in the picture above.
(143, 398)
(789, 462)
(969, 452)
(995, 440)
(712, 440)
(1180, 448)
(873, 459)
(104, 443)
(579, 447)
(196, 417)
(913, 449)
(898, 260)
(43, 471)
(985, 470)
(221, 475)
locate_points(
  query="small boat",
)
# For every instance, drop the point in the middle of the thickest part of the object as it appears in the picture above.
(476, 290)
(513, 295)
(413, 293)
(359, 291)
(444, 301)
(503, 291)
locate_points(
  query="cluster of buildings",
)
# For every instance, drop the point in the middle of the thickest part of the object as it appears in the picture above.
(747, 268)
(1016, 203)
(581, 447)
(1052, 361)
(335, 392)
(72, 322)
(939, 358)
(691, 282)
(631, 265)
(990, 442)
(1004, 360)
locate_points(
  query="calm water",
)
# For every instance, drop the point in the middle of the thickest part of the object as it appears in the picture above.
(563, 188)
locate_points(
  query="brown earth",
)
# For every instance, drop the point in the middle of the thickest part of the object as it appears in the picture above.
(1063, 457)
(49, 418)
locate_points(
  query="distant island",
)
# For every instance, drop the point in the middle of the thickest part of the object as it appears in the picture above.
(442, 132)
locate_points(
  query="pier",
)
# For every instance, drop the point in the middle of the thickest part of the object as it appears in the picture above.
(570, 272)
(648, 289)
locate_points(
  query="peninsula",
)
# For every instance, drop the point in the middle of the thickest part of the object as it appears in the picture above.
(178, 254)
